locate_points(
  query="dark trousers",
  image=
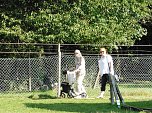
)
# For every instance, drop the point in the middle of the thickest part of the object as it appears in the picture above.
(104, 80)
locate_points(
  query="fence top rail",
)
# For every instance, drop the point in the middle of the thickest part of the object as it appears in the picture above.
(88, 54)
(85, 54)
(64, 53)
(70, 44)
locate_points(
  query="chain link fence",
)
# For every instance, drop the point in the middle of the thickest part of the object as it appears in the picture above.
(27, 74)
(36, 67)
(30, 74)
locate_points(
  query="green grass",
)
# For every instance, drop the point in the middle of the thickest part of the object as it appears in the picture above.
(47, 102)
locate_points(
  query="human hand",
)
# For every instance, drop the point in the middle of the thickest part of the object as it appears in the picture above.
(77, 71)
(111, 73)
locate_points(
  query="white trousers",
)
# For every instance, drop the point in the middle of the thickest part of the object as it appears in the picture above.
(79, 86)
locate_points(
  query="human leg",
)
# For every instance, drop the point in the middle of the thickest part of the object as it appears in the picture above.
(104, 79)
(80, 87)
(81, 92)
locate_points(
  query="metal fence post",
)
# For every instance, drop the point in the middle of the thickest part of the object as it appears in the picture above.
(30, 79)
(59, 69)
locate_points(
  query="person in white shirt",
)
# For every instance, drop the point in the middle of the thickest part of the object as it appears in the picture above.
(105, 68)
(80, 71)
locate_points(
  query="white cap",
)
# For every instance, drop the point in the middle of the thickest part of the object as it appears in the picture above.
(77, 51)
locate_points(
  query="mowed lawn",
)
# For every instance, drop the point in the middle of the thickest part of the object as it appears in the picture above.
(47, 102)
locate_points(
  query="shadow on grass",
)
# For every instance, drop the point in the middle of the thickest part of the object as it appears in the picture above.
(139, 106)
(75, 107)
(42, 96)
(89, 107)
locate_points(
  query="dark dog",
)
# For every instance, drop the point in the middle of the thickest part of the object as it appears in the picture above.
(67, 89)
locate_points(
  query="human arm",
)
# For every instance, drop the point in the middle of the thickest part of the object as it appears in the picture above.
(80, 66)
(110, 63)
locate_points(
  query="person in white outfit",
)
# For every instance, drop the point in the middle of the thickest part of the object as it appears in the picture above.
(105, 68)
(80, 71)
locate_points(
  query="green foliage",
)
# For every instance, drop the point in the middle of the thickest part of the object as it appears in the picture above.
(114, 22)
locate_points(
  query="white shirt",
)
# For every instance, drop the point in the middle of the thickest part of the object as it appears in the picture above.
(80, 65)
(104, 65)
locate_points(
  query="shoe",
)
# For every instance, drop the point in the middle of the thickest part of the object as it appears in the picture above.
(84, 95)
(77, 94)
(78, 97)
(100, 96)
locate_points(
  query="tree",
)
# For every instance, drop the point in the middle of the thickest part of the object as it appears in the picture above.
(110, 22)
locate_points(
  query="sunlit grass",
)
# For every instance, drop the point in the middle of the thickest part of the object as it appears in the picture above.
(47, 102)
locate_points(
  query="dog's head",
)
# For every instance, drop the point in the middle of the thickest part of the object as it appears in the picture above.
(64, 72)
